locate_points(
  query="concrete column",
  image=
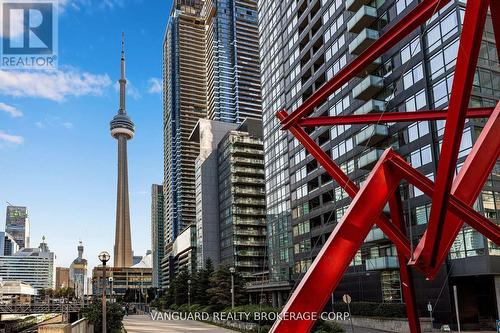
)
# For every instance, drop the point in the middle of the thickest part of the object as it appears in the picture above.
(497, 292)
(275, 299)
(280, 298)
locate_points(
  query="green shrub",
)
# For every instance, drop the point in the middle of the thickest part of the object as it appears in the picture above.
(210, 309)
(371, 309)
(327, 327)
(114, 316)
(262, 329)
(251, 309)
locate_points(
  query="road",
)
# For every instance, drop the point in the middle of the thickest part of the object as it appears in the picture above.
(144, 324)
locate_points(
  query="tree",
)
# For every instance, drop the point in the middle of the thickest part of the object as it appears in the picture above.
(220, 292)
(201, 283)
(179, 287)
(114, 316)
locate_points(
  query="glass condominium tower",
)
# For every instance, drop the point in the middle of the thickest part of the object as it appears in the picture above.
(304, 43)
(184, 103)
(232, 60)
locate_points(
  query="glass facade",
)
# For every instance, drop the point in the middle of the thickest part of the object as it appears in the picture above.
(157, 232)
(183, 74)
(272, 43)
(232, 55)
(304, 43)
(17, 225)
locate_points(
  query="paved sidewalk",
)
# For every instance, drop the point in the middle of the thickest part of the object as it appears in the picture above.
(144, 324)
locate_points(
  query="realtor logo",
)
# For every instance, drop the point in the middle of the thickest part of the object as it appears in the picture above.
(29, 34)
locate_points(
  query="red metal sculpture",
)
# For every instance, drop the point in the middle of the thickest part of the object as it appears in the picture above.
(452, 198)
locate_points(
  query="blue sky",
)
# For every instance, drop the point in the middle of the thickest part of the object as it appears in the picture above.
(56, 154)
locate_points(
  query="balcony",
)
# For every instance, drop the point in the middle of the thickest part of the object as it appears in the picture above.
(372, 134)
(248, 171)
(373, 105)
(368, 160)
(362, 41)
(375, 235)
(368, 87)
(246, 201)
(250, 253)
(354, 5)
(250, 191)
(247, 161)
(247, 180)
(363, 18)
(370, 68)
(381, 263)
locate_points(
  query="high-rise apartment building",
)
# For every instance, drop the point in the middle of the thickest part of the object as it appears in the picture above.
(242, 204)
(184, 103)
(17, 224)
(157, 232)
(232, 60)
(304, 44)
(208, 133)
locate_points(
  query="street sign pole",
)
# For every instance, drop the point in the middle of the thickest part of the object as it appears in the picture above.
(455, 294)
(429, 308)
(347, 299)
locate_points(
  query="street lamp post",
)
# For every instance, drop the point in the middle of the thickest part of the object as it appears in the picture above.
(189, 293)
(104, 258)
(232, 270)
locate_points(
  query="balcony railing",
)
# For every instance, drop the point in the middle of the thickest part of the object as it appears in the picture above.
(354, 5)
(381, 263)
(250, 202)
(368, 160)
(372, 134)
(373, 105)
(363, 18)
(253, 191)
(251, 171)
(375, 235)
(247, 180)
(368, 87)
(362, 41)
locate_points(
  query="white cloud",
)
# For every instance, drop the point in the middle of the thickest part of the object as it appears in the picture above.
(53, 85)
(53, 121)
(89, 4)
(155, 86)
(11, 110)
(9, 138)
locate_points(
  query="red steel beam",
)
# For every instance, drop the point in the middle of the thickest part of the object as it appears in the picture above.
(407, 285)
(390, 117)
(495, 20)
(468, 52)
(327, 270)
(391, 230)
(422, 12)
(468, 183)
(457, 207)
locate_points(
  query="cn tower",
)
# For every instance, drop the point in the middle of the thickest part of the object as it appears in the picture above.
(122, 129)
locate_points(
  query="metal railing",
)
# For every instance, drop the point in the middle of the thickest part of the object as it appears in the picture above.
(38, 308)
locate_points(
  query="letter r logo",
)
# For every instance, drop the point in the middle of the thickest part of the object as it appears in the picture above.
(27, 27)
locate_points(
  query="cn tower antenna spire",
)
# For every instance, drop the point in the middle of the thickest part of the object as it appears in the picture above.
(123, 80)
